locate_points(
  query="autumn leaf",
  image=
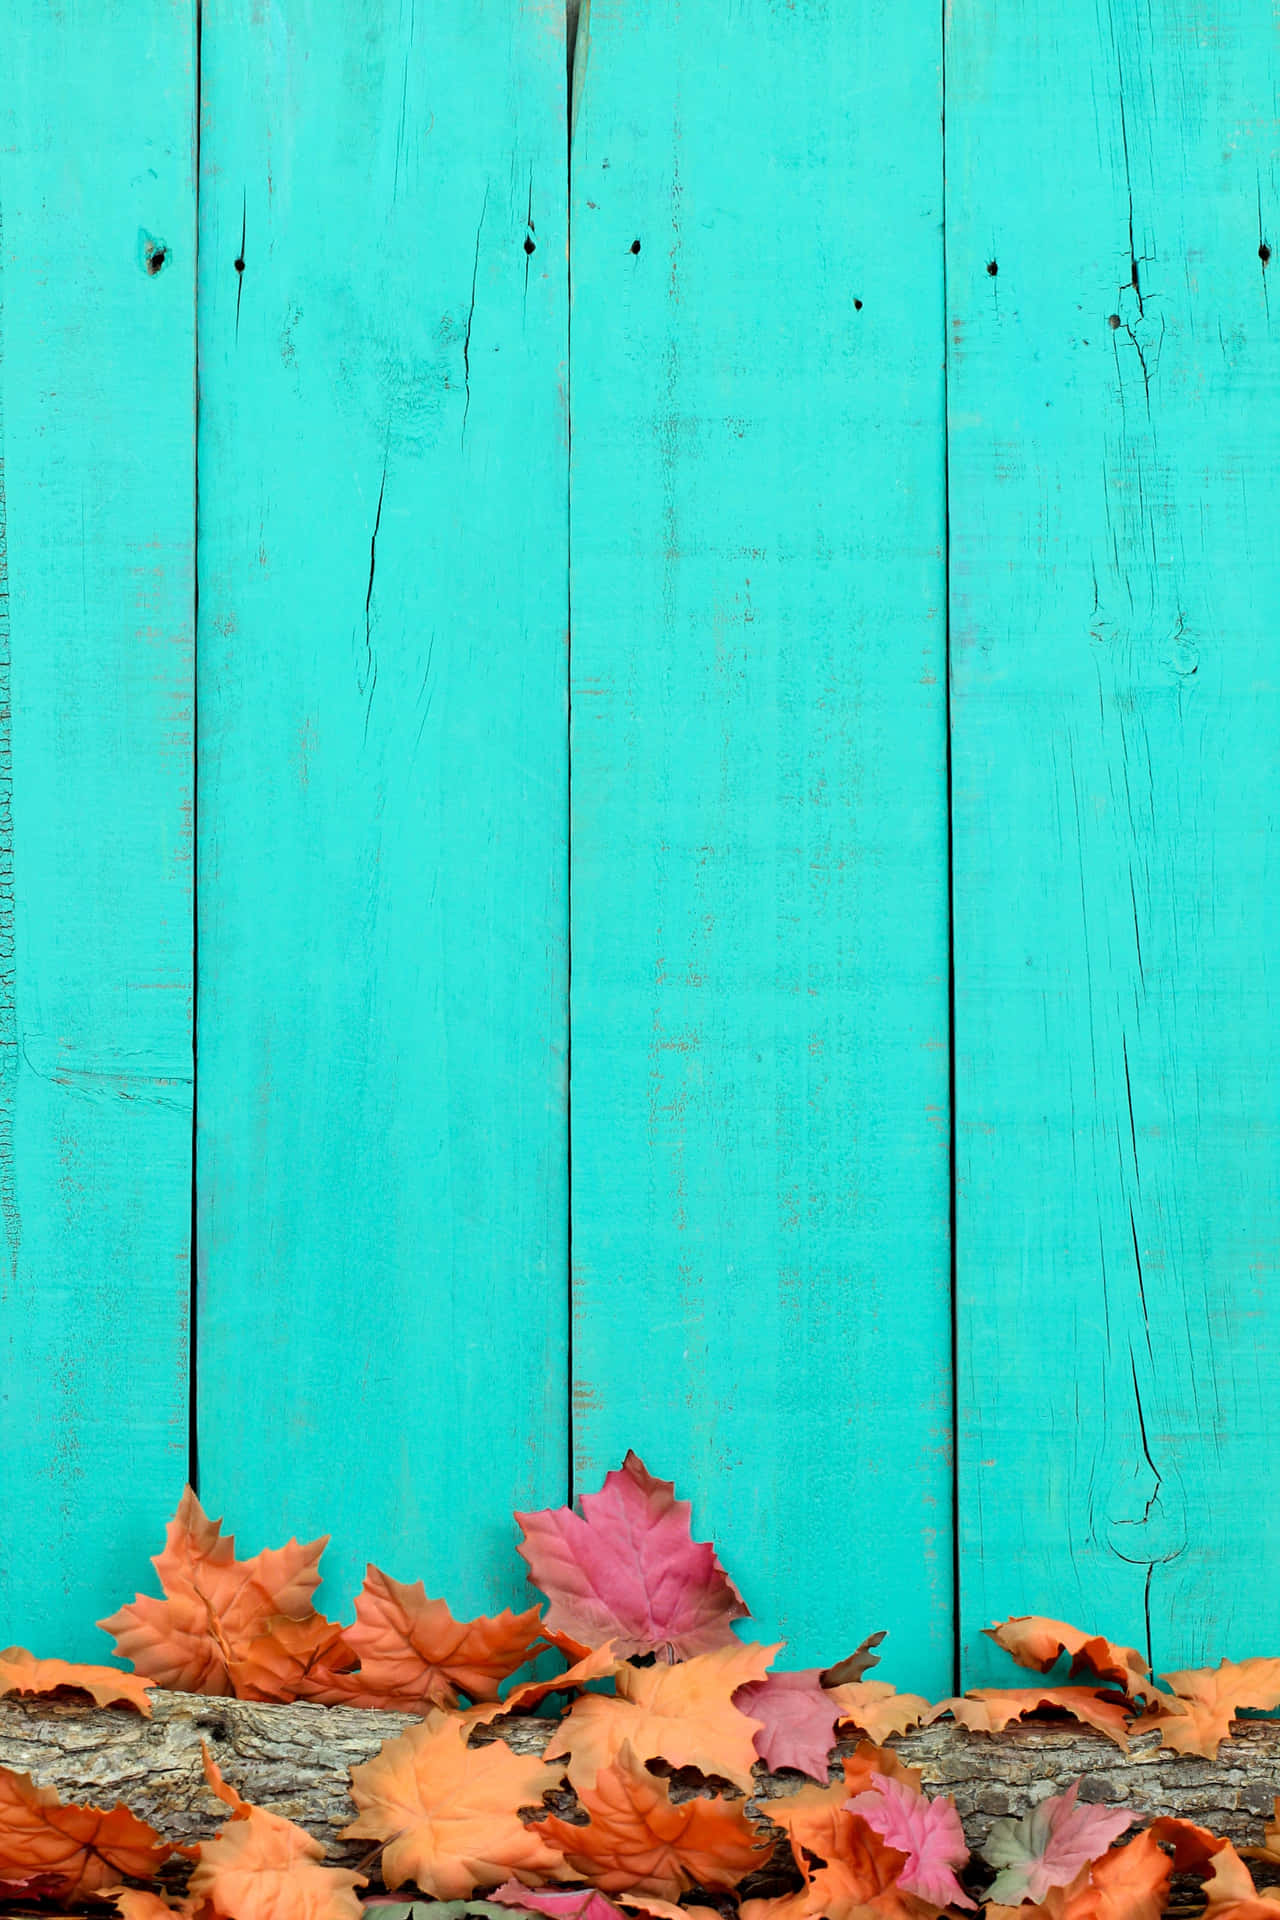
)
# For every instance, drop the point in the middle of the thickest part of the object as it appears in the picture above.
(990, 1709)
(1206, 1699)
(295, 1660)
(637, 1841)
(797, 1720)
(140, 1903)
(1231, 1894)
(1049, 1845)
(414, 1654)
(683, 1714)
(215, 1606)
(928, 1832)
(628, 1569)
(877, 1709)
(86, 1848)
(259, 1866)
(816, 1820)
(592, 1663)
(449, 1811)
(1127, 1883)
(860, 1871)
(558, 1903)
(1039, 1644)
(21, 1672)
(855, 1665)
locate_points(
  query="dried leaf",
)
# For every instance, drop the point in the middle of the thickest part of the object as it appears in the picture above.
(852, 1668)
(637, 1841)
(877, 1709)
(21, 1672)
(990, 1709)
(1039, 1644)
(1206, 1699)
(1049, 1845)
(928, 1832)
(628, 1569)
(683, 1714)
(215, 1606)
(86, 1849)
(449, 1811)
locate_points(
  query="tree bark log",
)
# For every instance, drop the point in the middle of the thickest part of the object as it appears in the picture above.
(295, 1760)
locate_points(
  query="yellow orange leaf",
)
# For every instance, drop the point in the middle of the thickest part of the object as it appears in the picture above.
(1039, 1644)
(990, 1709)
(637, 1841)
(21, 1672)
(595, 1663)
(683, 1714)
(1206, 1699)
(414, 1654)
(85, 1848)
(259, 1866)
(877, 1708)
(449, 1811)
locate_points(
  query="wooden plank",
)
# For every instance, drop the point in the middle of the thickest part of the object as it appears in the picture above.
(382, 820)
(1115, 484)
(97, 265)
(759, 1003)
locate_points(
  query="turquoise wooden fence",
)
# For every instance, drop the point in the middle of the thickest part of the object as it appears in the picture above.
(638, 766)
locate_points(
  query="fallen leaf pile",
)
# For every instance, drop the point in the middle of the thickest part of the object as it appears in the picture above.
(642, 1803)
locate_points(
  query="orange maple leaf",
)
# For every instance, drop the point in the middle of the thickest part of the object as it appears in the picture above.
(294, 1660)
(876, 1708)
(215, 1606)
(815, 1819)
(1206, 1700)
(449, 1811)
(86, 1848)
(683, 1714)
(259, 1866)
(413, 1653)
(592, 1663)
(637, 1841)
(21, 1672)
(1038, 1643)
(859, 1870)
(990, 1709)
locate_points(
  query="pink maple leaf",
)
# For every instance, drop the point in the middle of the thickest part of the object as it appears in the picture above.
(927, 1831)
(1048, 1846)
(628, 1569)
(560, 1903)
(798, 1721)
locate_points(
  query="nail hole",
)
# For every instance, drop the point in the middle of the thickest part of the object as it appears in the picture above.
(528, 244)
(1264, 253)
(635, 246)
(857, 306)
(993, 268)
(240, 265)
(1113, 321)
(156, 257)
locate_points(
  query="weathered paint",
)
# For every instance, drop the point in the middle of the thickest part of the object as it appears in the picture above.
(1115, 495)
(381, 1155)
(759, 1001)
(97, 418)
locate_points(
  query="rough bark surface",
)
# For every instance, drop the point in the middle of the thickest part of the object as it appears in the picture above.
(295, 1760)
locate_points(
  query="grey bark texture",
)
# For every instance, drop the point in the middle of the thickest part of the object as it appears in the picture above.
(295, 1760)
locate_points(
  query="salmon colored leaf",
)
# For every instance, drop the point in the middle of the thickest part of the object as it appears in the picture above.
(928, 1832)
(85, 1849)
(140, 1903)
(1231, 1893)
(990, 1709)
(260, 1866)
(295, 1660)
(1128, 1883)
(1206, 1700)
(683, 1714)
(637, 1841)
(1048, 1846)
(628, 1569)
(1039, 1644)
(414, 1654)
(450, 1812)
(877, 1709)
(797, 1720)
(21, 1672)
(595, 1663)
(215, 1606)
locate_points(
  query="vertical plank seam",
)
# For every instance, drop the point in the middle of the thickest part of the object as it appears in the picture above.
(572, 20)
(956, 1631)
(8, 928)
(193, 1298)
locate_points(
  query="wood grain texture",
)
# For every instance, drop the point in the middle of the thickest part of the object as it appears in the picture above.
(1111, 177)
(382, 820)
(97, 419)
(296, 1760)
(759, 1001)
